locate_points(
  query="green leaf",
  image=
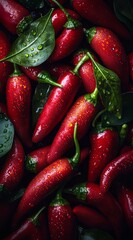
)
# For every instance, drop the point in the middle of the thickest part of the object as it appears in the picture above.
(6, 134)
(108, 84)
(124, 12)
(31, 5)
(34, 45)
(127, 112)
(40, 97)
(94, 234)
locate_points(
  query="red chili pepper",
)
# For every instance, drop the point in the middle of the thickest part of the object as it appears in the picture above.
(86, 71)
(49, 179)
(13, 169)
(125, 198)
(104, 144)
(57, 105)
(61, 219)
(28, 229)
(130, 62)
(58, 69)
(37, 159)
(13, 16)
(125, 149)
(112, 53)
(82, 112)
(5, 67)
(99, 13)
(3, 108)
(91, 194)
(53, 4)
(59, 19)
(91, 218)
(40, 75)
(120, 165)
(18, 96)
(70, 38)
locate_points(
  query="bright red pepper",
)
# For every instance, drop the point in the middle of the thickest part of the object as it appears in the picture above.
(61, 219)
(130, 62)
(58, 69)
(13, 15)
(18, 96)
(111, 51)
(37, 159)
(40, 75)
(120, 165)
(5, 67)
(104, 144)
(99, 13)
(48, 180)
(82, 112)
(86, 71)
(91, 194)
(28, 229)
(69, 39)
(125, 198)
(12, 172)
(91, 218)
(57, 105)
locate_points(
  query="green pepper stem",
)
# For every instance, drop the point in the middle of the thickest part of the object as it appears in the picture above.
(92, 97)
(35, 218)
(16, 71)
(79, 191)
(80, 63)
(75, 159)
(44, 77)
(62, 8)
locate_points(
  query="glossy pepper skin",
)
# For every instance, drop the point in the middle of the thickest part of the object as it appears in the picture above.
(5, 67)
(125, 198)
(57, 105)
(37, 159)
(28, 229)
(104, 144)
(18, 96)
(130, 61)
(82, 112)
(13, 169)
(120, 165)
(61, 219)
(111, 51)
(86, 72)
(91, 218)
(99, 13)
(58, 69)
(48, 180)
(91, 194)
(11, 14)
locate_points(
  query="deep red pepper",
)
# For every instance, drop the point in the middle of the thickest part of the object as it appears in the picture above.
(53, 4)
(125, 198)
(70, 38)
(130, 62)
(58, 69)
(104, 144)
(13, 15)
(91, 218)
(18, 96)
(99, 13)
(40, 75)
(13, 169)
(57, 105)
(120, 165)
(28, 229)
(82, 112)
(91, 194)
(61, 219)
(111, 51)
(48, 180)
(37, 159)
(86, 71)
(5, 67)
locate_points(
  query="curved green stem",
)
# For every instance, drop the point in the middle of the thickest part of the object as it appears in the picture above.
(35, 218)
(92, 97)
(16, 71)
(80, 63)
(75, 159)
(44, 77)
(62, 8)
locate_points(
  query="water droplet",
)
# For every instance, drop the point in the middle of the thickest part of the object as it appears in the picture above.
(24, 44)
(36, 53)
(27, 55)
(33, 33)
(1, 145)
(6, 125)
(40, 47)
(5, 130)
(32, 49)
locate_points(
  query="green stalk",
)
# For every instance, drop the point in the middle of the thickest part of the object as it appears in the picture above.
(75, 159)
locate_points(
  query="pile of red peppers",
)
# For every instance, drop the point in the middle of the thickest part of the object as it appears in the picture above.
(68, 170)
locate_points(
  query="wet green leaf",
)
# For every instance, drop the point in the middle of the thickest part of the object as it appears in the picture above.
(6, 134)
(94, 234)
(34, 45)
